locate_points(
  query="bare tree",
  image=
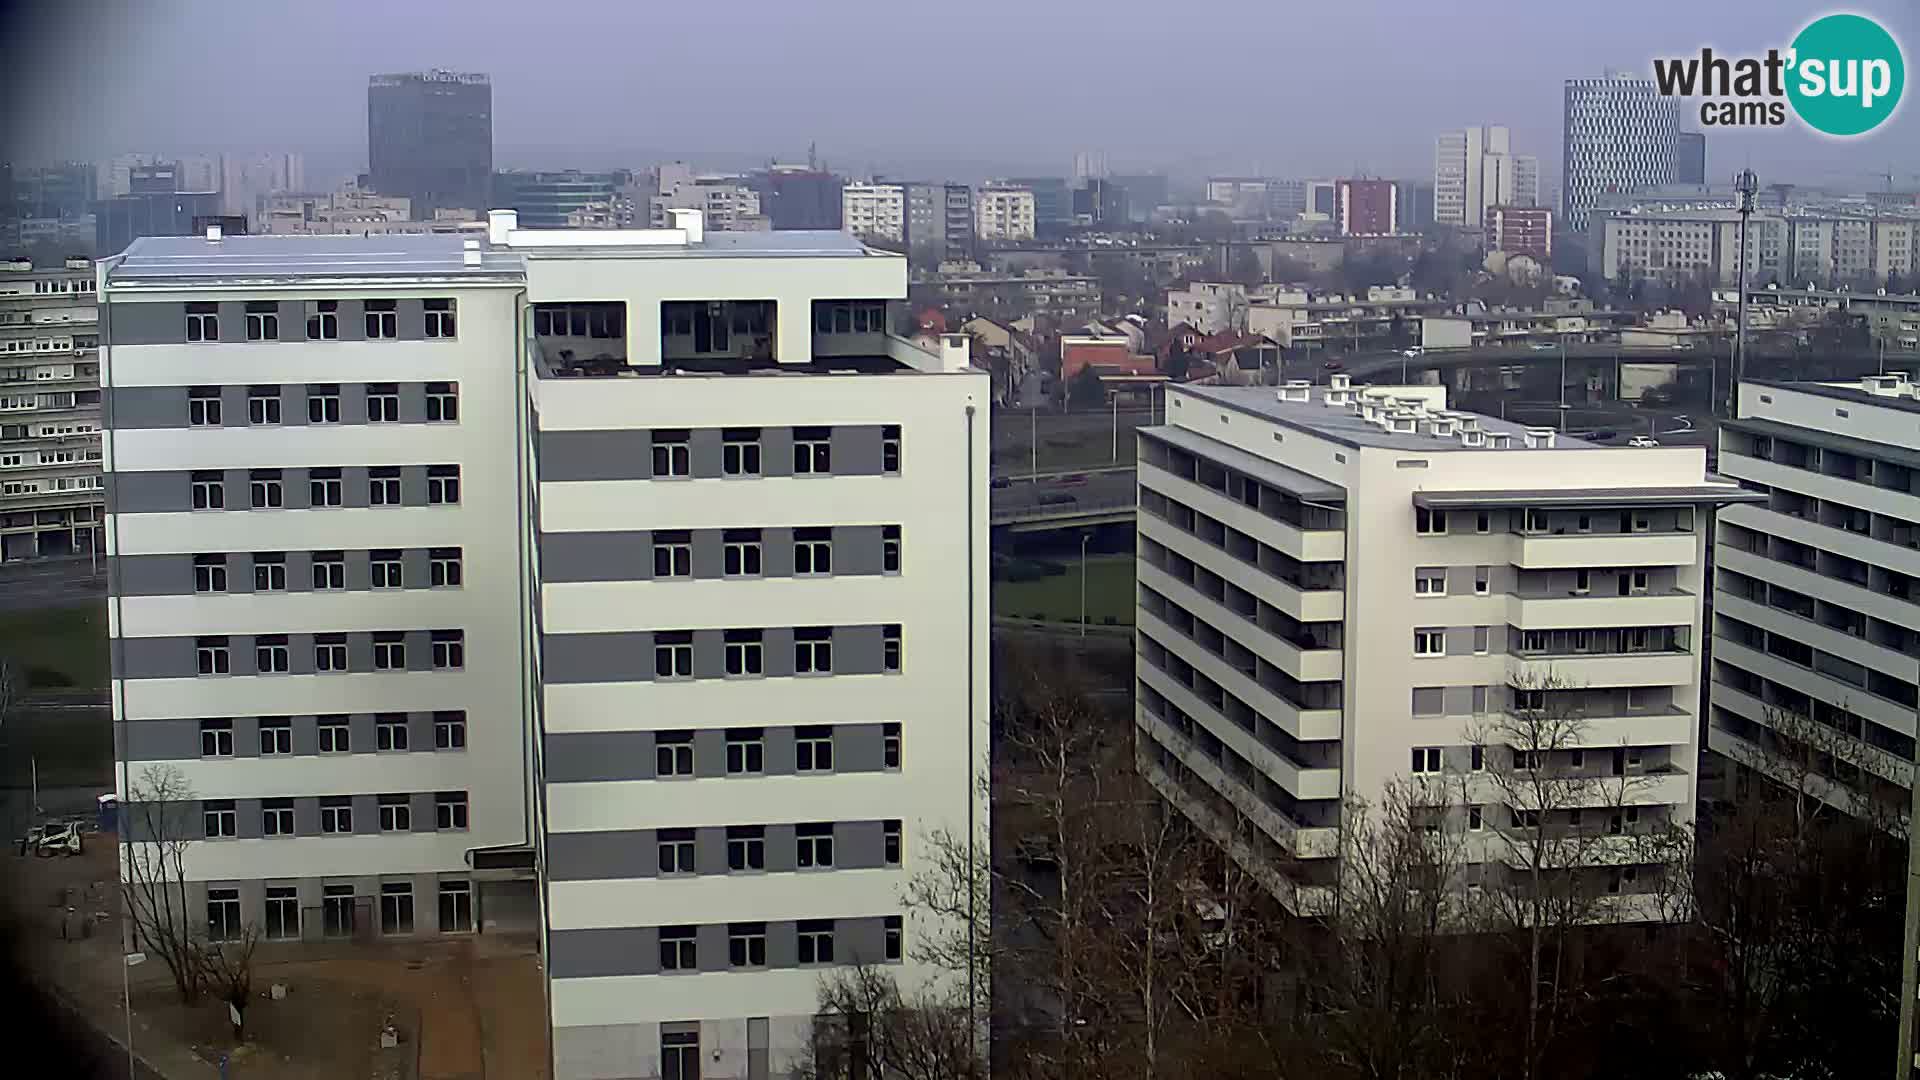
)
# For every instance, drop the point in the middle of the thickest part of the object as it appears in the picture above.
(153, 878)
(1825, 768)
(869, 1030)
(228, 967)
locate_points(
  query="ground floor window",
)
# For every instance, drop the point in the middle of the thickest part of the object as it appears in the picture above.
(283, 913)
(396, 907)
(336, 911)
(456, 907)
(679, 1052)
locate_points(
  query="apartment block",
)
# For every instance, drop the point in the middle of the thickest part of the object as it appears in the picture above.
(605, 584)
(878, 211)
(50, 480)
(1345, 587)
(1475, 170)
(1004, 213)
(1817, 588)
(1618, 133)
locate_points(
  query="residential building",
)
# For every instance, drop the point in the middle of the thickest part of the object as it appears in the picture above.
(50, 477)
(798, 196)
(729, 202)
(702, 717)
(1416, 209)
(969, 290)
(1618, 134)
(1367, 207)
(958, 223)
(1817, 589)
(1145, 192)
(119, 221)
(545, 199)
(1475, 169)
(60, 192)
(1520, 230)
(1680, 246)
(246, 180)
(1090, 165)
(1004, 213)
(430, 138)
(1052, 201)
(1690, 158)
(875, 211)
(1385, 316)
(114, 176)
(1211, 307)
(1344, 588)
(1893, 318)
(1099, 202)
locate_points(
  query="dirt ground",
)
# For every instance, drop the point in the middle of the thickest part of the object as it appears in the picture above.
(463, 1008)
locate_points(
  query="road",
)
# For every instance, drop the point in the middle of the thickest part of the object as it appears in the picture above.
(1099, 489)
(50, 583)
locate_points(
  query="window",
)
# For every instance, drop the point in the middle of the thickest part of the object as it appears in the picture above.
(1524, 819)
(264, 490)
(443, 485)
(890, 842)
(1536, 521)
(1583, 523)
(1474, 819)
(677, 951)
(890, 549)
(396, 813)
(671, 455)
(223, 912)
(1582, 582)
(673, 754)
(389, 651)
(673, 654)
(450, 811)
(679, 1055)
(816, 941)
(276, 817)
(384, 568)
(747, 945)
(1429, 581)
(443, 402)
(676, 853)
(443, 568)
(1528, 760)
(672, 554)
(890, 653)
(209, 491)
(890, 450)
(449, 650)
(812, 450)
(1479, 759)
(396, 907)
(746, 847)
(1482, 522)
(812, 551)
(1429, 641)
(743, 653)
(209, 573)
(1482, 580)
(283, 912)
(1482, 640)
(325, 488)
(263, 320)
(1429, 522)
(218, 817)
(276, 735)
(216, 738)
(813, 650)
(815, 846)
(323, 320)
(894, 933)
(439, 318)
(1426, 759)
(383, 319)
(383, 403)
(336, 736)
(741, 552)
(210, 653)
(203, 322)
(813, 749)
(740, 452)
(203, 406)
(329, 570)
(450, 730)
(336, 906)
(456, 907)
(1640, 522)
(746, 752)
(323, 403)
(269, 571)
(390, 731)
(1637, 582)
(263, 405)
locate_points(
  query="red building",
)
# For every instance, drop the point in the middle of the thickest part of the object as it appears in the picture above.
(1367, 207)
(1521, 230)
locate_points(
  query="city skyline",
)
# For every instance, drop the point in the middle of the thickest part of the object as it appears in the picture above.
(1385, 127)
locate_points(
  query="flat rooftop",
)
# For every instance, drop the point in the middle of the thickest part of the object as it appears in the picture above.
(181, 260)
(1338, 424)
(797, 243)
(1904, 402)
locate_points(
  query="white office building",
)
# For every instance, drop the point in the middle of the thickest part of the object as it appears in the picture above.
(876, 211)
(1618, 134)
(621, 573)
(1474, 170)
(50, 482)
(1343, 587)
(1817, 589)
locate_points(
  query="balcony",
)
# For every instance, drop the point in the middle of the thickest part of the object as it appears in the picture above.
(1298, 840)
(1546, 551)
(1668, 668)
(1302, 781)
(1304, 724)
(1305, 662)
(1302, 603)
(1303, 543)
(1598, 610)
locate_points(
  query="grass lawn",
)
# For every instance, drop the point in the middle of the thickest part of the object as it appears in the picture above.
(1109, 593)
(70, 641)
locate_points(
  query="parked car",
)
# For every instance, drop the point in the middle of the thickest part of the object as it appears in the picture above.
(1643, 440)
(1335, 365)
(1415, 351)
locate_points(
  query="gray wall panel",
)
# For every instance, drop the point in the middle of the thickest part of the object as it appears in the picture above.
(856, 450)
(163, 323)
(776, 451)
(132, 407)
(596, 556)
(155, 575)
(160, 740)
(580, 954)
(601, 856)
(595, 455)
(159, 492)
(167, 658)
(857, 650)
(703, 453)
(582, 658)
(594, 756)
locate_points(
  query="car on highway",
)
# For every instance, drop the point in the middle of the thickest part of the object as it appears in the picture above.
(1643, 440)
(1334, 365)
(1000, 482)
(1682, 346)
(1074, 479)
(1056, 498)
(1415, 351)
(1542, 346)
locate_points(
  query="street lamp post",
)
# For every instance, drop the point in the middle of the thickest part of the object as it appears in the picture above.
(1033, 441)
(1116, 426)
(1084, 537)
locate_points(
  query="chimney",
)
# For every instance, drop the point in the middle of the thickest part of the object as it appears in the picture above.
(1295, 390)
(470, 252)
(1340, 382)
(213, 233)
(1539, 438)
(1473, 437)
(692, 222)
(500, 223)
(1499, 440)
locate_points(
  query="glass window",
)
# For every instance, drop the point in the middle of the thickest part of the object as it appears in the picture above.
(673, 754)
(746, 751)
(216, 738)
(450, 730)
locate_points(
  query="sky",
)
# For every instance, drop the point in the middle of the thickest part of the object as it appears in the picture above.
(962, 91)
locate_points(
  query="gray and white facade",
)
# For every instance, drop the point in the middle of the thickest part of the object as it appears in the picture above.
(1343, 588)
(722, 662)
(1817, 589)
(1618, 134)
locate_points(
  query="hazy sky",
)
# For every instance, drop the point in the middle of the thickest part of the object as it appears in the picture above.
(967, 89)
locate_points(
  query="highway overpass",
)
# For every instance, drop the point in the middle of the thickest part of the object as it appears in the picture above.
(1060, 501)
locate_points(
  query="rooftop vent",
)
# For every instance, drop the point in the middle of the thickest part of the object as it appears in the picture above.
(1336, 399)
(1443, 426)
(1403, 423)
(1890, 385)
(500, 223)
(1415, 405)
(470, 252)
(213, 233)
(1473, 437)
(1539, 438)
(1340, 382)
(1295, 390)
(1499, 440)
(691, 222)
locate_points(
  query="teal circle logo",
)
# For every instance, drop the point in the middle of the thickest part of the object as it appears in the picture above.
(1847, 75)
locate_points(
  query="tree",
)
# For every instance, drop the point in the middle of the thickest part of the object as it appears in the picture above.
(1085, 390)
(228, 969)
(1245, 267)
(154, 876)
(866, 1029)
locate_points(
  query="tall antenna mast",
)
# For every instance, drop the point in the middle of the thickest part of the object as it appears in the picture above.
(1747, 185)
